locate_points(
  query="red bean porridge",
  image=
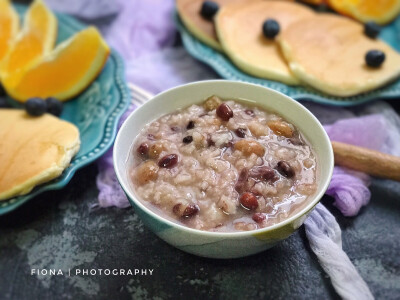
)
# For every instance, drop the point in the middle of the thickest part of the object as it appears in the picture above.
(223, 166)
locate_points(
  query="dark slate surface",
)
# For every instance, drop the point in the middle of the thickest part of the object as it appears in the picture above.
(58, 230)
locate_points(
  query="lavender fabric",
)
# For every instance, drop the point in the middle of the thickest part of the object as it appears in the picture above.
(142, 27)
(375, 126)
(350, 190)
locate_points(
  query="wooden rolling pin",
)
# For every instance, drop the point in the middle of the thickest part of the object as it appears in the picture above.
(368, 161)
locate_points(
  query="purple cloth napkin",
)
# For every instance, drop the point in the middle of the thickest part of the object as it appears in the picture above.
(350, 188)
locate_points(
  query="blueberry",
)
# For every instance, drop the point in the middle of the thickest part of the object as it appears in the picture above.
(35, 106)
(209, 9)
(372, 29)
(270, 28)
(54, 106)
(374, 58)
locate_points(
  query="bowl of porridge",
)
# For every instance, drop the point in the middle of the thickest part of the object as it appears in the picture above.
(223, 169)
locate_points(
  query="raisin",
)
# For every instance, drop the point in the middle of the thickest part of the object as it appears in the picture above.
(187, 139)
(240, 132)
(190, 125)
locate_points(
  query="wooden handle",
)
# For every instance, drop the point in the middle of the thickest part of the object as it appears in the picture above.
(368, 161)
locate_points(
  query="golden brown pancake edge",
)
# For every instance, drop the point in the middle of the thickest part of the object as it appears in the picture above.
(34, 150)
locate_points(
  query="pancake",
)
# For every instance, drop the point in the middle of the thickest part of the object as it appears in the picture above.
(201, 28)
(239, 28)
(327, 52)
(33, 150)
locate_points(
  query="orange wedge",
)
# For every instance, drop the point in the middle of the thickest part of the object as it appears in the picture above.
(36, 38)
(379, 11)
(9, 26)
(65, 71)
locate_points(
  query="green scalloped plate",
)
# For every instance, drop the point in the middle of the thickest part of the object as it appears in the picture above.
(95, 112)
(223, 66)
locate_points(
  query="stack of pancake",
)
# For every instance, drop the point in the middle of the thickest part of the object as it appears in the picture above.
(322, 50)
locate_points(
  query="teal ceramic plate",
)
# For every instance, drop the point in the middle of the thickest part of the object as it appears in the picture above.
(95, 112)
(222, 65)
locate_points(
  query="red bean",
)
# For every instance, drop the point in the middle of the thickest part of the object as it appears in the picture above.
(258, 217)
(241, 132)
(285, 169)
(249, 201)
(190, 210)
(224, 112)
(187, 211)
(143, 149)
(168, 161)
(263, 173)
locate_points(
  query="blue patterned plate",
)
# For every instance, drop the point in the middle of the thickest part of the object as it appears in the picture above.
(223, 66)
(95, 112)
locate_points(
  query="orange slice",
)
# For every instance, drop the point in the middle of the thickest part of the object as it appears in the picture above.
(37, 38)
(64, 72)
(379, 11)
(9, 26)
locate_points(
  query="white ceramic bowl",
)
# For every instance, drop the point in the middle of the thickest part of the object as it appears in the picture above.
(221, 244)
